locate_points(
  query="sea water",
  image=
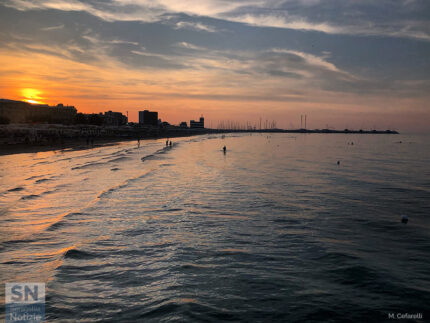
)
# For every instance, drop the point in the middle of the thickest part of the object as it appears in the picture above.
(275, 229)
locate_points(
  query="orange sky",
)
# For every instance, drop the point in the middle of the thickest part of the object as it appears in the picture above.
(240, 70)
(94, 88)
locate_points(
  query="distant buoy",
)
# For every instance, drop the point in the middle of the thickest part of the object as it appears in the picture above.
(404, 218)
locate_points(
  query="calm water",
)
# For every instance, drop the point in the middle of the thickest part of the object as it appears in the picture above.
(274, 230)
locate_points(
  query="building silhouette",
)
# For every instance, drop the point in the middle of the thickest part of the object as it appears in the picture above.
(114, 118)
(148, 118)
(197, 124)
(23, 112)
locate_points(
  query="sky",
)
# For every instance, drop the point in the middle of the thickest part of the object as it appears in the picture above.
(356, 64)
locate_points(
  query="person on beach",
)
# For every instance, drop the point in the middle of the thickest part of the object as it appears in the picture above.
(138, 142)
(170, 143)
(167, 142)
(224, 149)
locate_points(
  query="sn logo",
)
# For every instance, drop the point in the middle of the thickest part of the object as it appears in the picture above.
(27, 293)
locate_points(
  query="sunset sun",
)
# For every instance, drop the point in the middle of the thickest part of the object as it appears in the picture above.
(31, 96)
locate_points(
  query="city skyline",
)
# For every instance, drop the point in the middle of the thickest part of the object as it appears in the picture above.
(343, 64)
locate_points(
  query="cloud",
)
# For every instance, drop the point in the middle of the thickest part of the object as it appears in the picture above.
(310, 59)
(71, 5)
(300, 70)
(195, 26)
(149, 54)
(242, 60)
(278, 21)
(407, 29)
(119, 41)
(111, 11)
(186, 45)
(209, 8)
(404, 19)
(53, 27)
(97, 40)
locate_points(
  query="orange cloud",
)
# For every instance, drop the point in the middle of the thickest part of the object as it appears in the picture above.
(183, 94)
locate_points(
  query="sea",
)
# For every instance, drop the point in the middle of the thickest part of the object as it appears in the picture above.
(281, 227)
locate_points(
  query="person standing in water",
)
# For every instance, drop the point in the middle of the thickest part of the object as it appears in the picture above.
(224, 149)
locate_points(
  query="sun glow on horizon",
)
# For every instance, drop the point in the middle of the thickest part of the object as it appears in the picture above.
(32, 96)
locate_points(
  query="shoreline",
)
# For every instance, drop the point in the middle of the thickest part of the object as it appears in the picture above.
(75, 144)
(18, 139)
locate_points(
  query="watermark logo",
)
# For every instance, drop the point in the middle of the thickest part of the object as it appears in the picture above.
(405, 316)
(25, 302)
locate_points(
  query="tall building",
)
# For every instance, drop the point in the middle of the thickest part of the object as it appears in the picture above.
(148, 118)
(198, 124)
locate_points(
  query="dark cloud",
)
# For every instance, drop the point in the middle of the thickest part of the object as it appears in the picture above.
(404, 19)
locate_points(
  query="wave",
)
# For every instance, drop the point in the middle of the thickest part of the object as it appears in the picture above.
(59, 220)
(44, 180)
(199, 266)
(178, 309)
(156, 154)
(119, 159)
(33, 196)
(112, 158)
(122, 185)
(148, 157)
(231, 251)
(44, 162)
(118, 156)
(33, 177)
(78, 254)
(337, 257)
(57, 224)
(87, 165)
(16, 189)
(29, 197)
(111, 189)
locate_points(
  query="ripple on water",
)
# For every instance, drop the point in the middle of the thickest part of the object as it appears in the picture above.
(16, 189)
(79, 254)
(255, 235)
